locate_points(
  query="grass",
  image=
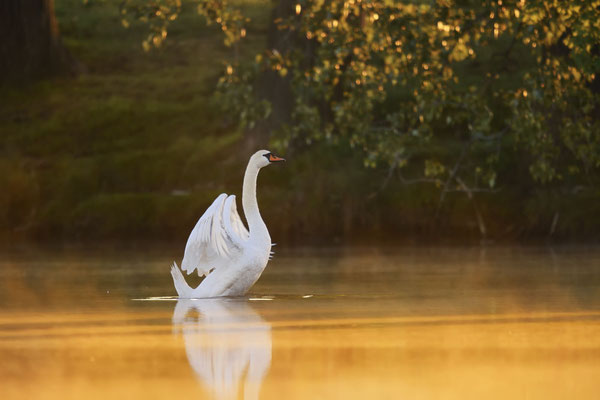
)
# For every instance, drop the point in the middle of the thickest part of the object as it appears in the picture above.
(102, 154)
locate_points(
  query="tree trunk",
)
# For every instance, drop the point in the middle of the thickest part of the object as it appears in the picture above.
(271, 86)
(30, 46)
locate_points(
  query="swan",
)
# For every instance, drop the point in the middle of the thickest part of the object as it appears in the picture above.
(221, 248)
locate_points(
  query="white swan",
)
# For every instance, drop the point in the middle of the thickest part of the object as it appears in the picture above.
(220, 246)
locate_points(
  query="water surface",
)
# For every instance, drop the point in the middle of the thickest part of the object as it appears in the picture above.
(415, 323)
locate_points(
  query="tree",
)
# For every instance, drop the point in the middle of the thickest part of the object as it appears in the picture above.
(461, 88)
(31, 45)
(468, 96)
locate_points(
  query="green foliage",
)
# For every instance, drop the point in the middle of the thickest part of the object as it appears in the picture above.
(20, 194)
(128, 147)
(228, 18)
(138, 148)
(156, 13)
(403, 81)
(236, 95)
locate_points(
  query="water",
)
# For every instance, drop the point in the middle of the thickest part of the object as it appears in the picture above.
(414, 323)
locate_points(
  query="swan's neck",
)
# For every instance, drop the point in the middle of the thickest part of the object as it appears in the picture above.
(258, 229)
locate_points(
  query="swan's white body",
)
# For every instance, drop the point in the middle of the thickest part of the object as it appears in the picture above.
(220, 247)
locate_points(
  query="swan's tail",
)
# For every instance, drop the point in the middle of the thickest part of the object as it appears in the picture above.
(183, 289)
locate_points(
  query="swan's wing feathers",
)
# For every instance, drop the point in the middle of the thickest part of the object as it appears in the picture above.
(200, 249)
(238, 225)
(233, 223)
(214, 240)
(217, 239)
(202, 230)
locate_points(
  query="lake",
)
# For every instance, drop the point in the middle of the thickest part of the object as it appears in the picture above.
(338, 323)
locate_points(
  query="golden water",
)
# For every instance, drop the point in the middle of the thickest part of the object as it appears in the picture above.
(407, 323)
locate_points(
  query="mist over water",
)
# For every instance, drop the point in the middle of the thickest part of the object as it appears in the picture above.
(444, 322)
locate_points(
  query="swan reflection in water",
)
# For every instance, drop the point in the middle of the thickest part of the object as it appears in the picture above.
(228, 344)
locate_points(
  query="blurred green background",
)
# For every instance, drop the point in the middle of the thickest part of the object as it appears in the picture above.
(137, 135)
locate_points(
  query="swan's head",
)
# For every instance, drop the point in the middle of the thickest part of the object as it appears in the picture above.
(262, 158)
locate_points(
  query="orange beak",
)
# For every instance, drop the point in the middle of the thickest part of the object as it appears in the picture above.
(273, 158)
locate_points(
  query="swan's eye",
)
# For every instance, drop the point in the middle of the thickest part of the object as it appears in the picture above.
(272, 158)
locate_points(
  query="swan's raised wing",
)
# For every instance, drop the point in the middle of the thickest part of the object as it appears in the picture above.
(233, 221)
(218, 237)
